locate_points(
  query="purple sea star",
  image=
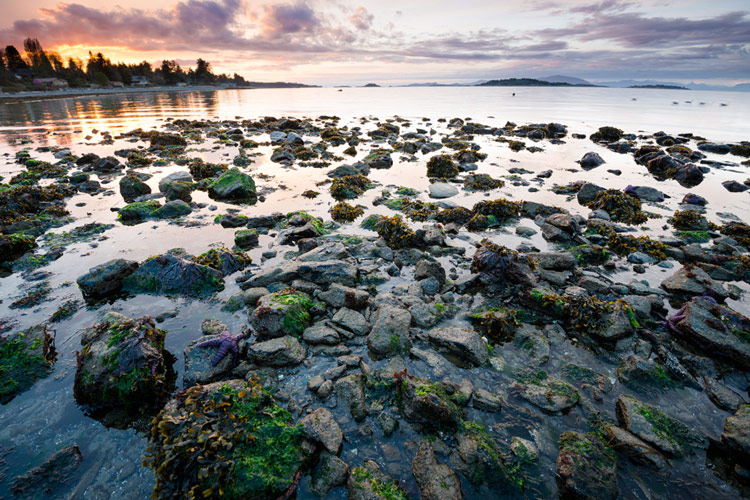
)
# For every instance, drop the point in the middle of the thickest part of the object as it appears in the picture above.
(680, 314)
(226, 343)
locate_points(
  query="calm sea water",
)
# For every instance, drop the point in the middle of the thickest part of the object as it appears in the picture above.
(46, 417)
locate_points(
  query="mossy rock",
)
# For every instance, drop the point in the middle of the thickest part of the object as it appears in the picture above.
(586, 467)
(286, 312)
(442, 167)
(170, 274)
(426, 402)
(123, 364)
(224, 260)
(15, 245)
(369, 483)
(233, 185)
(226, 440)
(138, 211)
(25, 357)
(246, 238)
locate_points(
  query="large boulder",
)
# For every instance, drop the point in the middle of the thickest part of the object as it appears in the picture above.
(107, 278)
(390, 331)
(232, 185)
(459, 343)
(203, 365)
(123, 364)
(171, 274)
(590, 160)
(50, 476)
(249, 446)
(692, 281)
(426, 402)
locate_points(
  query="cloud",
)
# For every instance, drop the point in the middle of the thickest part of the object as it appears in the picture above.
(362, 19)
(286, 19)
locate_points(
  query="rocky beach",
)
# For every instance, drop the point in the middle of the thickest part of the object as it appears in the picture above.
(372, 307)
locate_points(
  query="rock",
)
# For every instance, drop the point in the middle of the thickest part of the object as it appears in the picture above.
(351, 392)
(131, 187)
(667, 434)
(734, 186)
(246, 238)
(441, 190)
(585, 468)
(107, 165)
(426, 402)
(179, 191)
(321, 427)
(478, 457)
(645, 193)
(736, 435)
(123, 364)
(719, 149)
(716, 330)
(466, 345)
(106, 278)
(327, 272)
(320, 334)
(211, 326)
(694, 199)
(587, 193)
(378, 159)
(636, 450)
(286, 312)
(232, 185)
(329, 472)
(550, 394)
(174, 208)
(199, 368)
(174, 177)
(722, 396)
(369, 483)
(485, 400)
(138, 211)
(170, 274)
(643, 374)
(281, 351)
(351, 320)
(47, 479)
(693, 281)
(436, 481)
(390, 331)
(233, 221)
(590, 160)
(342, 296)
(426, 268)
(26, 357)
(293, 234)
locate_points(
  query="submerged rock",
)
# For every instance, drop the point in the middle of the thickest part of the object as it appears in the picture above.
(26, 357)
(369, 483)
(736, 435)
(46, 479)
(466, 345)
(426, 402)
(280, 351)
(107, 278)
(590, 160)
(550, 394)
(390, 331)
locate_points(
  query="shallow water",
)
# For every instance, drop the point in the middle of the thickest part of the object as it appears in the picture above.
(46, 417)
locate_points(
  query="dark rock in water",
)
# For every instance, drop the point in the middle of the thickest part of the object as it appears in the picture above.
(466, 345)
(106, 278)
(123, 364)
(223, 260)
(645, 193)
(379, 159)
(390, 332)
(293, 234)
(689, 175)
(665, 433)
(426, 402)
(591, 160)
(360, 168)
(107, 165)
(343, 296)
(643, 375)
(350, 392)
(166, 139)
(560, 227)
(369, 483)
(736, 435)
(233, 185)
(607, 134)
(716, 330)
(734, 186)
(264, 220)
(329, 473)
(199, 366)
(634, 448)
(43, 481)
(278, 352)
(15, 245)
(694, 199)
(232, 221)
(179, 191)
(87, 158)
(426, 268)
(587, 193)
(131, 187)
(321, 427)
(666, 167)
(722, 396)
(550, 394)
(171, 209)
(26, 357)
(585, 468)
(170, 274)
(89, 187)
(436, 481)
(719, 149)
(138, 211)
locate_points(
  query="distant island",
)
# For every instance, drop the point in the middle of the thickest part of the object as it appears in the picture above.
(530, 82)
(666, 87)
(371, 85)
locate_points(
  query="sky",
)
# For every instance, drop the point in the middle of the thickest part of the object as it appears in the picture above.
(338, 42)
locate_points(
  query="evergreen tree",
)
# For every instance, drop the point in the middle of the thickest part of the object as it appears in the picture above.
(13, 59)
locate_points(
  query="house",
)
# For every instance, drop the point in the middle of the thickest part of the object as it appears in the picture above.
(116, 84)
(139, 80)
(50, 83)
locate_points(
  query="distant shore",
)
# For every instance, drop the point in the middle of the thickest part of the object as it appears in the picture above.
(37, 95)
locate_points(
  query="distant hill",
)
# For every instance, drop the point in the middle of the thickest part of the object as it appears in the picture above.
(667, 87)
(371, 85)
(741, 87)
(529, 82)
(565, 79)
(279, 85)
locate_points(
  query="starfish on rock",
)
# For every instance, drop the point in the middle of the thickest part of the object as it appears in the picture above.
(226, 343)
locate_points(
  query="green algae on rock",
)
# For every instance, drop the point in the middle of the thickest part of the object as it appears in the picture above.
(226, 440)
(171, 274)
(286, 312)
(25, 357)
(233, 185)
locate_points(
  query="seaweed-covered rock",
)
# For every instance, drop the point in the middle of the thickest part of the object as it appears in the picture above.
(442, 167)
(665, 433)
(173, 208)
(225, 440)
(123, 364)
(349, 186)
(344, 212)
(426, 402)
(390, 331)
(500, 264)
(629, 445)
(232, 185)
(44, 480)
(246, 238)
(607, 134)
(13, 246)
(620, 206)
(223, 260)
(585, 468)
(131, 187)
(716, 330)
(550, 394)
(436, 481)
(25, 357)
(478, 457)
(138, 211)
(379, 158)
(106, 278)
(286, 312)
(396, 233)
(466, 345)
(174, 275)
(369, 483)
(157, 138)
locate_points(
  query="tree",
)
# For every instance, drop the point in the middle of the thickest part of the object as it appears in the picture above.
(38, 57)
(2, 60)
(203, 72)
(101, 79)
(13, 59)
(171, 72)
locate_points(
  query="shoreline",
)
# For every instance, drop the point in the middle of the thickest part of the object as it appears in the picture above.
(44, 95)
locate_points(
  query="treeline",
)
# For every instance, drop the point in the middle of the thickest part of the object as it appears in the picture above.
(18, 72)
